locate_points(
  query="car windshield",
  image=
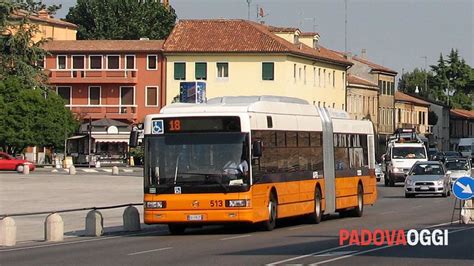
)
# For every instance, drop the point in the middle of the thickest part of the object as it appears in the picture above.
(427, 169)
(451, 153)
(197, 158)
(459, 165)
(464, 148)
(409, 153)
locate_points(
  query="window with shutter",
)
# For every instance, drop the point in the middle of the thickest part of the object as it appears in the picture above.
(201, 71)
(268, 71)
(179, 71)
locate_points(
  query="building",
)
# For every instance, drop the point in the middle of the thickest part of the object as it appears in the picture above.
(48, 26)
(411, 112)
(371, 73)
(461, 125)
(362, 99)
(239, 57)
(120, 81)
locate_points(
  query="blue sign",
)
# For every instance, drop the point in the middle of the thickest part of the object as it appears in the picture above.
(463, 188)
(192, 92)
(157, 127)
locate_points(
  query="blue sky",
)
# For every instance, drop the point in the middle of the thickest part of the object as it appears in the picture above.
(396, 34)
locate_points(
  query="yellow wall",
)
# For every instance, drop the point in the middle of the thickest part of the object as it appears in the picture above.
(409, 116)
(57, 33)
(386, 108)
(245, 78)
(362, 102)
(289, 36)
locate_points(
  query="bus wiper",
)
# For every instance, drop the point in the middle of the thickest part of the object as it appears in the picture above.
(217, 181)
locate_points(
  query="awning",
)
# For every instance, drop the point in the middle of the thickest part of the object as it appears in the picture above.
(112, 138)
(77, 137)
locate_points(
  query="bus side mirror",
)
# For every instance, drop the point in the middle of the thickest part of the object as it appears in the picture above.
(257, 148)
(133, 141)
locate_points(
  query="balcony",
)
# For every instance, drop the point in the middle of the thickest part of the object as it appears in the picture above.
(128, 112)
(113, 76)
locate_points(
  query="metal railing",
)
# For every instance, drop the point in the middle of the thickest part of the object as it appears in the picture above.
(68, 210)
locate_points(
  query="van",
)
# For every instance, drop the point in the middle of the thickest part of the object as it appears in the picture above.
(466, 147)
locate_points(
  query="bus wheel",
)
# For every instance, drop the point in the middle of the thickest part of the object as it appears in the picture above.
(269, 224)
(176, 229)
(316, 216)
(359, 210)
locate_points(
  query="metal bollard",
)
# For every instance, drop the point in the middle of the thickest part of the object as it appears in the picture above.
(131, 219)
(115, 170)
(72, 170)
(26, 169)
(54, 228)
(94, 223)
(7, 232)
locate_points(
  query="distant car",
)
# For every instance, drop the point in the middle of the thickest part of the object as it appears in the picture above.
(442, 156)
(378, 172)
(458, 167)
(432, 152)
(427, 178)
(8, 162)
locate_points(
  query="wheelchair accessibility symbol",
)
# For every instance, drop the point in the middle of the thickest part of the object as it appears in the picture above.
(157, 127)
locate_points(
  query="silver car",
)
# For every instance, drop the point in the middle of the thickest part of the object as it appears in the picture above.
(458, 167)
(427, 178)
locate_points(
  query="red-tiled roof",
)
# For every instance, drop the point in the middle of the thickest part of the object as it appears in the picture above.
(282, 29)
(373, 66)
(359, 81)
(238, 36)
(463, 113)
(400, 96)
(48, 20)
(104, 46)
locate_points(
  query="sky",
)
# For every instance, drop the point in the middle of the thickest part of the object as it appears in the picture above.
(398, 34)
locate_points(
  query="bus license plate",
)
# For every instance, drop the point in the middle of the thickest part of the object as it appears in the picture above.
(424, 188)
(195, 217)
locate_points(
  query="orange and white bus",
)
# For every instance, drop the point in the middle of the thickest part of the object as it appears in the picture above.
(254, 159)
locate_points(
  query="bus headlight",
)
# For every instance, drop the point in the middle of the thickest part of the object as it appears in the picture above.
(237, 203)
(397, 170)
(155, 204)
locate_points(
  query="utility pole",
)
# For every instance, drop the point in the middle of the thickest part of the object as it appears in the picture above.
(248, 9)
(345, 27)
(426, 73)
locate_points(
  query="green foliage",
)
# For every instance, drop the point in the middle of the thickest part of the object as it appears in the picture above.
(451, 76)
(35, 6)
(121, 19)
(432, 118)
(30, 117)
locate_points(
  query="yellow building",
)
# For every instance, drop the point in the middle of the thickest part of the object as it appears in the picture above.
(362, 99)
(48, 27)
(239, 57)
(411, 112)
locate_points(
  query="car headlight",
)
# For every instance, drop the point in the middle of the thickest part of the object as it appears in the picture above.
(237, 203)
(410, 182)
(155, 204)
(440, 182)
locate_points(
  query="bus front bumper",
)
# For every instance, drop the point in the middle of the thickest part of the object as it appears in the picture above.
(199, 216)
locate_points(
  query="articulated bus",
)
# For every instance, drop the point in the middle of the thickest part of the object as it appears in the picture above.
(289, 158)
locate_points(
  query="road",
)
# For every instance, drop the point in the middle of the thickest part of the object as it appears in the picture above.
(293, 242)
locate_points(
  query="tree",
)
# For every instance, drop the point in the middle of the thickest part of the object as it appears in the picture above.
(409, 81)
(121, 19)
(36, 6)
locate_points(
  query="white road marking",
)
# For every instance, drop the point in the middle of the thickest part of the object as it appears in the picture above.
(298, 227)
(127, 170)
(339, 247)
(148, 251)
(337, 253)
(80, 241)
(89, 170)
(375, 249)
(235, 237)
(107, 170)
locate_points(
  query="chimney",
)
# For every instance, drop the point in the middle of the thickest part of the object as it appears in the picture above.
(348, 55)
(363, 53)
(43, 13)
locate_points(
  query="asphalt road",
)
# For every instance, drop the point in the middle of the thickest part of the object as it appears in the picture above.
(293, 242)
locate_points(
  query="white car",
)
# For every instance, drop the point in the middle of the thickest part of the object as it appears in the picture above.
(458, 167)
(427, 178)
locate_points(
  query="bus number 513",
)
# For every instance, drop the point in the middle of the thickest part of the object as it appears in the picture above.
(216, 203)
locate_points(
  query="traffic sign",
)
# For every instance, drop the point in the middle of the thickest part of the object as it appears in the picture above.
(157, 127)
(463, 188)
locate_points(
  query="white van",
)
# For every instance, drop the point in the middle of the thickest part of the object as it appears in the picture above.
(399, 159)
(466, 147)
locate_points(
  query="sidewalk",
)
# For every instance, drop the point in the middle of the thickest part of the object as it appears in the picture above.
(90, 170)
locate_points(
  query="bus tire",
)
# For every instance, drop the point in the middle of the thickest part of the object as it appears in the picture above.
(176, 229)
(270, 224)
(359, 210)
(317, 214)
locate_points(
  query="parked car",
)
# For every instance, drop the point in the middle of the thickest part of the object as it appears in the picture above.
(378, 172)
(8, 162)
(427, 178)
(458, 167)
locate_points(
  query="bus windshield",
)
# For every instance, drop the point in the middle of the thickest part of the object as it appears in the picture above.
(216, 158)
(408, 153)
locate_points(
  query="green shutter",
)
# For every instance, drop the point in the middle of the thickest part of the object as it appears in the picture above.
(179, 71)
(267, 71)
(201, 71)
